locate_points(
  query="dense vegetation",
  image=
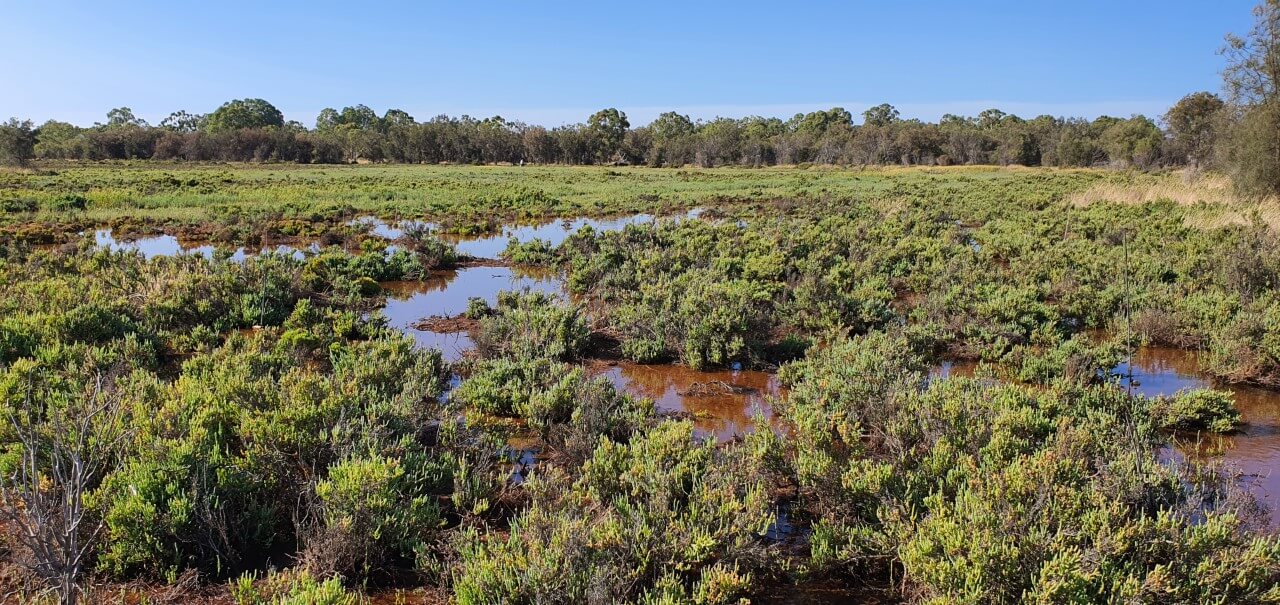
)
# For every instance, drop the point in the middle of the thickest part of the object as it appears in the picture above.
(825, 137)
(248, 429)
(246, 204)
(246, 417)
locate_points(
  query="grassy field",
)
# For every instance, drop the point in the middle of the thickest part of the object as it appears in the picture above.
(183, 195)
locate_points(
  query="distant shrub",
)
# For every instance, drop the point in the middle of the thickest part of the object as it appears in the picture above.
(477, 309)
(13, 205)
(68, 202)
(533, 252)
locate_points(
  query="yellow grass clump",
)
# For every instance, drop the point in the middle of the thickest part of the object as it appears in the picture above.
(1211, 198)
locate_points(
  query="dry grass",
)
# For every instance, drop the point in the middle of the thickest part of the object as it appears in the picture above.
(1210, 199)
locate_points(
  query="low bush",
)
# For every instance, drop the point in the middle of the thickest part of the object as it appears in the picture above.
(531, 325)
(1197, 410)
(974, 491)
(290, 588)
(658, 519)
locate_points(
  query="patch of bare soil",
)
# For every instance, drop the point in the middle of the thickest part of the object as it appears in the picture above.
(712, 388)
(441, 324)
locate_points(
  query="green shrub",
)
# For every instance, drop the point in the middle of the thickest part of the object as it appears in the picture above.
(987, 493)
(531, 325)
(661, 518)
(290, 588)
(1197, 410)
(375, 512)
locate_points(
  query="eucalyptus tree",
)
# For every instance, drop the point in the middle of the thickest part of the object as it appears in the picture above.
(608, 128)
(1193, 125)
(244, 113)
(1252, 82)
(17, 141)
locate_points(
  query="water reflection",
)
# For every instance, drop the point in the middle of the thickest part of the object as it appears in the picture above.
(722, 403)
(446, 294)
(168, 245)
(554, 232)
(150, 247)
(1254, 450)
(488, 246)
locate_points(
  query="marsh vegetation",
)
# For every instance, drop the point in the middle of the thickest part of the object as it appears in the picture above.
(721, 396)
(340, 372)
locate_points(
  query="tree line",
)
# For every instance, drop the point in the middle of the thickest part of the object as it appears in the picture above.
(1238, 132)
(254, 130)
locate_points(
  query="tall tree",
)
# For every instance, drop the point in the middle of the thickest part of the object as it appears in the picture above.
(123, 116)
(181, 121)
(1133, 142)
(396, 117)
(670, 126)
(1252, 75)
(1192, 122)
(1252, 79)
(883, 114)
(244, 113)
(17, 141)
(609, 128)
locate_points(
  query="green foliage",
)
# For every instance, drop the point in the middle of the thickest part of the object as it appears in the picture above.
(994, 493)
(1194, 122)
(320, 439)
(229, 442)
(504, 387)
(243, 113)
(477, 308)
(1050, 357)
(530, 325)
(375, 512)
(17, 142)
(1251, 150)
(569, 410)
(290, 588)
(1197, 410)
(659, 519)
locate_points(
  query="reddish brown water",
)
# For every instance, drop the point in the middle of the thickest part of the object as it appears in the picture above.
(724, 415)
(1254, 450)
(959, 369)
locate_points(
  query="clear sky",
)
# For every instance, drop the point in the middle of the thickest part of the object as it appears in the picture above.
(556, 62)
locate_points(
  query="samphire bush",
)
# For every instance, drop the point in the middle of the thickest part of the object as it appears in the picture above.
(659, 519)
(1197, 410)
(531, 325)
(974, 491)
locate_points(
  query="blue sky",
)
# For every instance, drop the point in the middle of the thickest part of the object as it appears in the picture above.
(556, 62)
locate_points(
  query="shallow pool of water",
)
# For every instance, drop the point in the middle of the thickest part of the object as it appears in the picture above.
(554, 232)
(168, 245)
(446, 294)
(1254, 450)
(722, 403)
(488, 246)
